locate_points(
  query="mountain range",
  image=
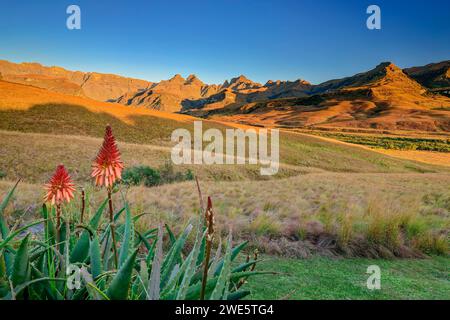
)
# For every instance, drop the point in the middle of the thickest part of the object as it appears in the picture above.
(385, 97)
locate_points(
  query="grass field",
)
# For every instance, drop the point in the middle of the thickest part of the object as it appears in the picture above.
(375, 215)
(324, 278)
(436, 158)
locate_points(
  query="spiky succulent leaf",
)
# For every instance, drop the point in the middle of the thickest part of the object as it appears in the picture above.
(238, 295)
(233, 255)
(81, 250)
(174, 253)
(95, 258)
(120, 285)
(154, 286)
(224, 276)
(191, 263)
(127, 240)
(4, 230)
(21, 272)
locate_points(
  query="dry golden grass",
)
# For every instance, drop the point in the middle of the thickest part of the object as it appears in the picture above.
(437, 158)
(22, 97)
(354, 214)
(33, 158)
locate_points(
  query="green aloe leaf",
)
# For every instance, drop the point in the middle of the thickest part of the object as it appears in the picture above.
(4, 230)
(2, 265)
(224, 276)
(92, 289)
(18, 290)
(21, 272)
(172, 237)
(81, 250)
(238, 295)
(127, 236)
(191, 263)
(154, 285)
(120, 285)
(144, 240)
(14, 234)
(95, 258)
(50, 230)
(172, 257)
(234, 254)
(244, 266)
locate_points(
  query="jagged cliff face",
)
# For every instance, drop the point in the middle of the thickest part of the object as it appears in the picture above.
(94, 85)
(382, 98)
(169, 95)
(385, 97)
(179, 94)
(433, 75)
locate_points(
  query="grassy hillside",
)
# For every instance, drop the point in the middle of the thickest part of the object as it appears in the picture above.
(33, 157)
(328, 197)
(32, 110)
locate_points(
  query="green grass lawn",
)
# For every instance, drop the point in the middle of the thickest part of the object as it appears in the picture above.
(325, 278)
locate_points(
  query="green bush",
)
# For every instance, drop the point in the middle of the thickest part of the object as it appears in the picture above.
(150, 177)
(141, 175)
(2, 174)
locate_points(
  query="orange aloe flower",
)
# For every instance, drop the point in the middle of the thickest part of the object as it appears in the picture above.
(60, 188)
(107, 167)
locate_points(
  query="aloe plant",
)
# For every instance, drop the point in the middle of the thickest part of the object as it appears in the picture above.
(35, 266)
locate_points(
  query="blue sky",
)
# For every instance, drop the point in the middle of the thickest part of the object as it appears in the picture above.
(219, 39)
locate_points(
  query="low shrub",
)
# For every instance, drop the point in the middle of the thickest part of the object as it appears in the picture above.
(150, 177)
(141, 175)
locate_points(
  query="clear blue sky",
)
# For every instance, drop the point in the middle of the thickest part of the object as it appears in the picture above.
(314, 40)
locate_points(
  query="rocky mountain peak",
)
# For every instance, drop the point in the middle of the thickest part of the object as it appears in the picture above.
(192, 79)
(177, 78)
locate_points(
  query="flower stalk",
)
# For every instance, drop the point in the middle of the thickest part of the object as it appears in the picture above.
(209, 217)
(83, 205)
(112, 227)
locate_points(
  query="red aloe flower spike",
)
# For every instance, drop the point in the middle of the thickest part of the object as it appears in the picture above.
(60, 188)
(107, 167)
